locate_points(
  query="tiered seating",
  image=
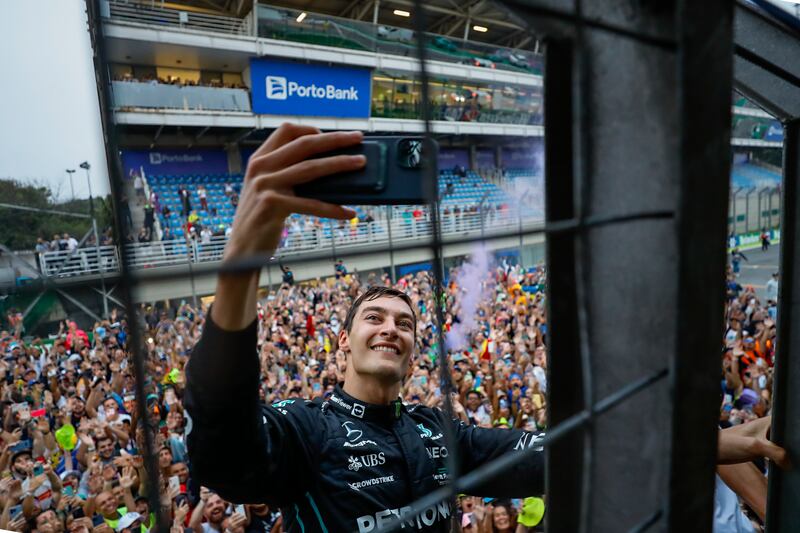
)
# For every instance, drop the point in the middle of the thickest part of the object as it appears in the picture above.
(467, 192)
(747, 175)
(520, 189)
(167, 186)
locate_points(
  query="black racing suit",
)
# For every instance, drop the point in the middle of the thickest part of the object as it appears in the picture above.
(339, 465)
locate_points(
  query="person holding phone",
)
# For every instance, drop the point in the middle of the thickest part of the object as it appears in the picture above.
(40, 485)
(354, 461)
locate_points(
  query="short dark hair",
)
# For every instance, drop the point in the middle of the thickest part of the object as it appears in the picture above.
(373, 293)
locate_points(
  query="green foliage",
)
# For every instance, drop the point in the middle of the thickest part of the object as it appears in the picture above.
(21, 228)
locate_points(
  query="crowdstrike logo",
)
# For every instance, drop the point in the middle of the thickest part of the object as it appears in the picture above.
(279, 88)
(358, 485)
(276, 87)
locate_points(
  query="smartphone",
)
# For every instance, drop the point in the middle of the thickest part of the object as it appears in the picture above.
(15, 512)
(69, 491)
(174, 483)
(393, 174)
(239, 509)
(97, 520)
(78, 513)
(38, 470)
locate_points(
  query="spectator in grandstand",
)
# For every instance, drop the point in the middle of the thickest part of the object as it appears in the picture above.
(202, 194)
(228, 189)
(138, 186)
(149, 220)
(144, 236)
(125, 210)
(288, 276)
(339, 269)
(154, 201)
(186, 201)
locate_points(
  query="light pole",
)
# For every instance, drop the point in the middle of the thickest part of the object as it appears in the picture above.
(86, 166)
(70, 172)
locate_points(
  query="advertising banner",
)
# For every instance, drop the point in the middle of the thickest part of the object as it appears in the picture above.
(289, 88)
(484, 158)
(531, 157)
(450, 157)
(774, 132)
(157, 162)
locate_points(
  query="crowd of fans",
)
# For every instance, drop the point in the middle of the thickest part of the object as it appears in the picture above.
(71, 456)
(177, 80)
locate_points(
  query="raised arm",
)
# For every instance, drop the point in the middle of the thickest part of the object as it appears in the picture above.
(222, 377)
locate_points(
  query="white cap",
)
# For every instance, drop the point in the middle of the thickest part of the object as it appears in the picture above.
(127, 519)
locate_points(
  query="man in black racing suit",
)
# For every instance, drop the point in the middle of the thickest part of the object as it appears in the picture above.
(356, 461)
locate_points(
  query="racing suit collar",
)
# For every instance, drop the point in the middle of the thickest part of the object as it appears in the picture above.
(343, 403)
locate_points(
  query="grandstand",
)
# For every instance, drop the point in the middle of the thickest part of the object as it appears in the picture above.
(751, 175)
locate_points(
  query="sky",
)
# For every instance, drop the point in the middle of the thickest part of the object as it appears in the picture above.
(48, 98)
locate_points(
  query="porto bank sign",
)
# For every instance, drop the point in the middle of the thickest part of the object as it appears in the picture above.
(288, 88)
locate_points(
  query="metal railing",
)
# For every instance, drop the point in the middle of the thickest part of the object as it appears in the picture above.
(281, 23)
(142, 13)
(81, 262)
(86, 261)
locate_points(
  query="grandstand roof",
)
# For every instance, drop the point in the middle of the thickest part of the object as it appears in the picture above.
(445, 17)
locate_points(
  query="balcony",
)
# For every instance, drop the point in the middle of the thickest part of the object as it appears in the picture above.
(129, 95)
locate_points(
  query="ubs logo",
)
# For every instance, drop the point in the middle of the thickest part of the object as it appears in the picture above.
(371, 459)
(276, 88)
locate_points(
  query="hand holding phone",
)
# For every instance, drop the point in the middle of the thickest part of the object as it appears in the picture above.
(284, 161)
(393, 174)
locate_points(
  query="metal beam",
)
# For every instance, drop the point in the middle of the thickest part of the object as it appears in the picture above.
(659, 56)
(765, 67)
(32, 305)
(439, 9)
(364, 10)
(201, 133)
(158, 132)
(17, 258)
(705, 60)
(349, 7)
(48, 211)
(80, 305)
(565, 397)
(108, 295)
(783, 513)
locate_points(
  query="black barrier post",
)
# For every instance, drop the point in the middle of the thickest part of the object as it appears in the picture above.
(783, 511)
(565, 398)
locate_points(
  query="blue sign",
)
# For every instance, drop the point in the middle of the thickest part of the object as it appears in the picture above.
(775, 132)
(287, 88)
(169, 161)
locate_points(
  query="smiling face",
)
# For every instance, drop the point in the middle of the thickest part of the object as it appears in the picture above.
(107, 504)
(380, 341)
(215, 509)
(502, 521)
